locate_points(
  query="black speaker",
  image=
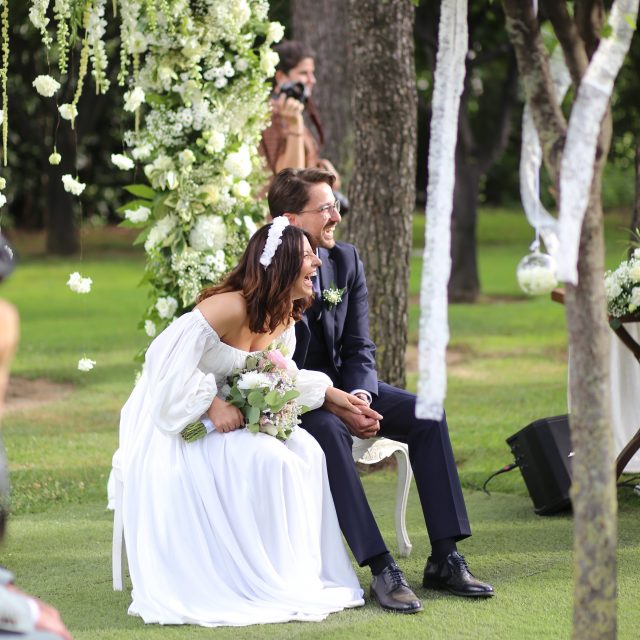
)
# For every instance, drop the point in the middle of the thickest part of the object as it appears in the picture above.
(543, 452)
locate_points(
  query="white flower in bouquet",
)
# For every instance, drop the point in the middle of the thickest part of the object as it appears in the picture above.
(141, 214)
(68, 111)
(150, 328)
(210, 194)
(621, 287)
(122, 161)
(634, 300)
(78, 284)
(612, 287)
(86, 364)
(215, 142)
(253, 380)
(634, 271)
(186, 158)
(71, 185)
(133, 99)
(241, 65)
(238, 163)
(160, 231)
(142, 151)
(55, 158)
(166, 307)
(268, 61)
(46, 86)
(208, 234)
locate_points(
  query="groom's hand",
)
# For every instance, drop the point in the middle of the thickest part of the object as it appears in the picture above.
(361, 420)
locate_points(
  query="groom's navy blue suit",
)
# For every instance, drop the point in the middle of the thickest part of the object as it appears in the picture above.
(336, 340)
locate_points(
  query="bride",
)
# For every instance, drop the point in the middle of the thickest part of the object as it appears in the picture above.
(235, 528)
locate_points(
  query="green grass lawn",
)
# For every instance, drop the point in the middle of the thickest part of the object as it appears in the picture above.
(507, 367)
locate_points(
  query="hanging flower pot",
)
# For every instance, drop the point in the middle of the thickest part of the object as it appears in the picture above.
(536, 273)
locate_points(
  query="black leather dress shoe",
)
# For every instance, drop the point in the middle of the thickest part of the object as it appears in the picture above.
(391, 591)
(453, 574)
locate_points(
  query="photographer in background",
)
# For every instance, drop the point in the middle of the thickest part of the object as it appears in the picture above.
(289, 142)
(22, 616)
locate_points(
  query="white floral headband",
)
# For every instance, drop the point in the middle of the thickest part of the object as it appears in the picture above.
(274, 240)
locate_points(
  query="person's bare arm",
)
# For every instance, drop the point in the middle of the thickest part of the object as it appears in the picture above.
(290, 110)
(9, 335)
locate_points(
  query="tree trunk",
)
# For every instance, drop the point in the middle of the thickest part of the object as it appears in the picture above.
(464, 283)
(635, 218)
(593, 490)
(323, 26)
(382, 187)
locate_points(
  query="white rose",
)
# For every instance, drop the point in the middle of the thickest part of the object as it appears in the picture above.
(141, 214)
(238, 163)
(252, 380)
(71, 185)
(242, 189)
(86, 364)
(133, 99)
(166, 307)
(68, 111)
(275, 32)
(122, 162)
(46, 86)
(150, 328)
(208, 234)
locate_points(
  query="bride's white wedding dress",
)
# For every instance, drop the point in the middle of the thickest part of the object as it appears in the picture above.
(232, 529)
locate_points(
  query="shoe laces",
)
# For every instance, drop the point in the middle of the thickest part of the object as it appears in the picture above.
(460, 563)
(396, 577)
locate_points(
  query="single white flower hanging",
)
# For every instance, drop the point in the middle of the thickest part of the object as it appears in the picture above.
(46, 85)
(68, 111)
(122, 161)
(86, 364)
(55, 158)
(3, 200)
(133, 99)
(71, 185)
(78, 284)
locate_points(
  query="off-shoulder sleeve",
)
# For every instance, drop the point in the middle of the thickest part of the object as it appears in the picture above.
(179, 392)
(312, 385)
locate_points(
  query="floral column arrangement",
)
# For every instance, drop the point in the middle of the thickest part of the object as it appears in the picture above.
(200, 96)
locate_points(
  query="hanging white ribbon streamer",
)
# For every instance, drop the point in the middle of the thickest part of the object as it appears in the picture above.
(531, 161)
(453, 43)
(576, 170)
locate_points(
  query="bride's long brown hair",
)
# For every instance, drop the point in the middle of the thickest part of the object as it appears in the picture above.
(267, 291)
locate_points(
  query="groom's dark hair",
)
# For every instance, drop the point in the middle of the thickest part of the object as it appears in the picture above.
(289, 190)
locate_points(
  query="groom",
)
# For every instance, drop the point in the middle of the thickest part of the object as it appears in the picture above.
(333, 337)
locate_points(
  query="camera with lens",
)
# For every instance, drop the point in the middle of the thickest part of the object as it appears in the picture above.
(294, 90)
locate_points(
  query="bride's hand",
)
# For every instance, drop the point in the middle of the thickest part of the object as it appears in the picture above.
(361, 420)
(225, 416)
(344, 400)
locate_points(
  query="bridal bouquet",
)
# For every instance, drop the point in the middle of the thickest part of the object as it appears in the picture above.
(265, 391)
(622, 287)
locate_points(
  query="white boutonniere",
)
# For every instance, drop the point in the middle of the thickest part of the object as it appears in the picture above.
(333, 296)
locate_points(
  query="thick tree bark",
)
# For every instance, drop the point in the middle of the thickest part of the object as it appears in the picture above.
(593, 488)
(323, 26)
(382, 187)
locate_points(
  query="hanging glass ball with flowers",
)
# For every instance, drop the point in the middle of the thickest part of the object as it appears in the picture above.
(536, 272)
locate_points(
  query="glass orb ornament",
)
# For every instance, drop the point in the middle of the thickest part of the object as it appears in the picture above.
(536, 273)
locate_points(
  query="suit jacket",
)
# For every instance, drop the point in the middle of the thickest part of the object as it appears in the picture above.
(345, 325)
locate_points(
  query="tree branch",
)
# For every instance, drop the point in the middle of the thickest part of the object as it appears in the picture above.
(573, 47)
(589, 18)
(533, 63)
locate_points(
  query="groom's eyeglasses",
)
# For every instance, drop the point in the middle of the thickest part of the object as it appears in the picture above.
(325, 209)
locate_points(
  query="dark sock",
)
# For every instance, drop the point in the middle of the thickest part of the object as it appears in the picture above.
(440, 549)
(379, 562)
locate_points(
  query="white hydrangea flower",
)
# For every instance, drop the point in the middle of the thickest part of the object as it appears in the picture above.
(68, 111)
(150, 328)
(238, 163)
(133, 99)
(71, 185)
(141, 214)
(208, 234)
(166, 307)
(45, 85)
(86, 364)
(78, 284)
(122, 161)
(55, 158)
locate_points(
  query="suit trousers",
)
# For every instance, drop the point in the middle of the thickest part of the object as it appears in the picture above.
(431, 459)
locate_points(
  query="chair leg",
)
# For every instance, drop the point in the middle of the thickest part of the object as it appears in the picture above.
(402, 494)
(118, 550)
